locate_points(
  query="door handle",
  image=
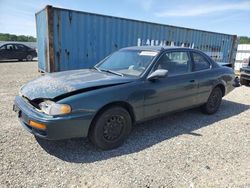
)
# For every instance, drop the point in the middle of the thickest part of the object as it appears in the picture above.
(192, 81)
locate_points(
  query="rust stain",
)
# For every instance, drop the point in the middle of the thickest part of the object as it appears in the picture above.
(50, 38)
(70, 17)
(59, 42)
(46, 55)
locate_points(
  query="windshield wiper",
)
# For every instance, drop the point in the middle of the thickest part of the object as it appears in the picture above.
(96, 68)
(109, 71)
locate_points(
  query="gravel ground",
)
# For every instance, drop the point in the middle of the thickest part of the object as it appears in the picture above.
(186, 149)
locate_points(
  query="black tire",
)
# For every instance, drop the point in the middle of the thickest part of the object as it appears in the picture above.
(244, 82)
(111, 128)
(20, 60)
(213, 103)
(29, 57)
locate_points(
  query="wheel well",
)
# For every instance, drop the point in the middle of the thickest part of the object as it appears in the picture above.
(222, 87)
(122, 104)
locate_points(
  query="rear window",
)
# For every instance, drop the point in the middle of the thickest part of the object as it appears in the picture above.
(20, 46)
(200, 62)
(176, 62)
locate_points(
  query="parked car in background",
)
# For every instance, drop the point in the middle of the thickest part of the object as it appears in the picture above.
(245, 73)
(17, 51)
(131, 85)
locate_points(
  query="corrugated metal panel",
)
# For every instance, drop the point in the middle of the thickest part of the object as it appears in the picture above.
(243, 47)
(42, 40)
(80, 39)
(243, 53)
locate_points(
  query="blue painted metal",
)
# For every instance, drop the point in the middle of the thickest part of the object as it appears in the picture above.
(42, 40)
(81, 39)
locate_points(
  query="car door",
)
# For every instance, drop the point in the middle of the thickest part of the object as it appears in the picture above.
(176, 91)
(20, 51)
(3, 52)
(10, 51)
(204, 76)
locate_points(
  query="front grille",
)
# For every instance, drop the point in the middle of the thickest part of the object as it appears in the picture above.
(34, 103)
(244, 76)
(247, 71)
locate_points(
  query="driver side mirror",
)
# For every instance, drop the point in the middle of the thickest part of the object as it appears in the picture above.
(159, 73)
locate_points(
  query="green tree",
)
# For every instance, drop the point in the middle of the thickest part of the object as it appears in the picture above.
(20, 38)
(244, 40)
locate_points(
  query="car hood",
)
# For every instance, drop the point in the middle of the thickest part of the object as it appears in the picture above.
(53, 85)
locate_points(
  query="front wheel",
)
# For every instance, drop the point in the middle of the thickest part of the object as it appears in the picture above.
(111, 128)
(213, 103)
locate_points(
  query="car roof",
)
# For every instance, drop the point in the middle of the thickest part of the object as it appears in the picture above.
(11, 43)
(155, 48)
(163, 48)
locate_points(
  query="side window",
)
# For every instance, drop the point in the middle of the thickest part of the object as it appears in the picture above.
(20, 47)
(200, 63)
(175, 62)
(10, 47)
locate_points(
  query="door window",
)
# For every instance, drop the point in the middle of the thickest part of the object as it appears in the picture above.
(10, 47)
(20, 47)
(175, 62)
(200, 62)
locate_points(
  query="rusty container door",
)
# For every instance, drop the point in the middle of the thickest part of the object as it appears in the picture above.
(69, 39)
(44, 24)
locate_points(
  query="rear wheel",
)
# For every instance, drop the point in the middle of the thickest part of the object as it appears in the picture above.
(111, 128)
(29, 57)
(213, 103)
(244, 82)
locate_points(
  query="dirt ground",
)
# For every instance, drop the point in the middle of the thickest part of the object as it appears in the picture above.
(186, 149)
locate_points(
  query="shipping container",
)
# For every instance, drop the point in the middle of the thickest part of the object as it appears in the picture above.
(242, 56)
(69, 39)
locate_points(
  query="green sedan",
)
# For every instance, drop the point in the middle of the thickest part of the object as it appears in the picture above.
(131, 85)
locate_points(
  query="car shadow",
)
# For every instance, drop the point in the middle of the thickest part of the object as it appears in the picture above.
(143, 135)
(9, 61)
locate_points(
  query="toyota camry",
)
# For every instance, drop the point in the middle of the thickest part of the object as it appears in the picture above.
(129, 86)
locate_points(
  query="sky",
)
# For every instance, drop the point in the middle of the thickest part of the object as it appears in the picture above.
(231, 16)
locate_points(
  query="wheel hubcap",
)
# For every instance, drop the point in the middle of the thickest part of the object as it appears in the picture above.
(214, 100)
(113, 127)
(29, 57)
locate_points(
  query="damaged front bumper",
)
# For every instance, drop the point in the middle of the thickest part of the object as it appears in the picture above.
(56, 127)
